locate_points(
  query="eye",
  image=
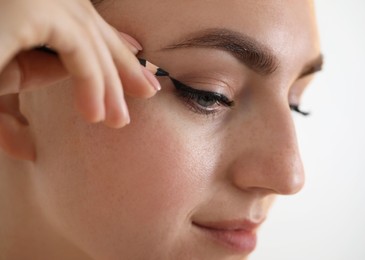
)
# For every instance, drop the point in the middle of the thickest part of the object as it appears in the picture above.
(201, 101)
(206, 100)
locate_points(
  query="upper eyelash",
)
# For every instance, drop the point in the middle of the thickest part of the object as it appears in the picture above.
(221, 99)
(296, 108)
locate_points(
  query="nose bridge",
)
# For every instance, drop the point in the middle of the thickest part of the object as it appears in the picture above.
(267, 155)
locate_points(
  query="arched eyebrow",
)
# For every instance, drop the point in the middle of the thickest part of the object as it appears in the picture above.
(246, 49)
(253, 54)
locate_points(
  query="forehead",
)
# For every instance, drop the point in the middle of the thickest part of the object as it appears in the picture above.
(288, 27)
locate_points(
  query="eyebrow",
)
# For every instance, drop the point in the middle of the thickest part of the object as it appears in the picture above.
(249, 51)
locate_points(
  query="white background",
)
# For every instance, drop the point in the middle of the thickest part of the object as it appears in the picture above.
(326, 220)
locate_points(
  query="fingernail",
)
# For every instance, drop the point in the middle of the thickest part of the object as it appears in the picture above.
(151, 78)
(132, 41)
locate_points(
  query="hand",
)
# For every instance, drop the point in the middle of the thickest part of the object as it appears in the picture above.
(96, 57)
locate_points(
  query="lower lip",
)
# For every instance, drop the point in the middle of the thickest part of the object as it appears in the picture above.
(240, 241)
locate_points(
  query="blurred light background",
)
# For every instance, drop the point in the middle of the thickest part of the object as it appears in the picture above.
(326, 220)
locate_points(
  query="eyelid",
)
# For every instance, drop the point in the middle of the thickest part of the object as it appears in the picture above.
(215, 83)
(222, 98)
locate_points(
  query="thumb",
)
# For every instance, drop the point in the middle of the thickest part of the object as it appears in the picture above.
(30, 70)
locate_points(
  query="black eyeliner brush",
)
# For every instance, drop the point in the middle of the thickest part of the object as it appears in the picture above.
(157, 71)
(153, 68)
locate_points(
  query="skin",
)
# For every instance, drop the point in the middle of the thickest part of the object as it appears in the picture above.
(94, 192)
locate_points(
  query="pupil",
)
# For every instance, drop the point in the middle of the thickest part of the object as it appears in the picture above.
(206, 101)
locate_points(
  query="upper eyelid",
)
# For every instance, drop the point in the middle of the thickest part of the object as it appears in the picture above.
(223, 98)
(193, 89)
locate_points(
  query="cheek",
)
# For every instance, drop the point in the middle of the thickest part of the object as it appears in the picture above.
(164, 157)
(139, 182)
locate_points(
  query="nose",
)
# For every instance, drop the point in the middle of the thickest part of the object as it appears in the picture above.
(266, 154)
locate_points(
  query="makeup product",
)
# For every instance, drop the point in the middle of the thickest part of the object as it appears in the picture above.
(153, 68)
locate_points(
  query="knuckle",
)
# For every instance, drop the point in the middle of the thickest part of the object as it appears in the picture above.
(31, 30)
(84, 15)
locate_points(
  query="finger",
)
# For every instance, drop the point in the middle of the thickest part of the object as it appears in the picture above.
(78, 56)
(131, 43)
(30, 70)
(137, 81)
(8, 48)
(116, 112)
(10, 79)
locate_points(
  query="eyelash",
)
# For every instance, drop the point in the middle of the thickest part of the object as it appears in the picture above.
(295, 108)
(191, 95)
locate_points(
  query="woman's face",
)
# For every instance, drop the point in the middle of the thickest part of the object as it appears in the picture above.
(189, 178)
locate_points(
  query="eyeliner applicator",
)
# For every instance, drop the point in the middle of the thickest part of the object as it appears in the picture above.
(158, 72)
(153, 68)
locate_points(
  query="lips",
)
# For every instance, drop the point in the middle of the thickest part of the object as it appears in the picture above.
(237, 236)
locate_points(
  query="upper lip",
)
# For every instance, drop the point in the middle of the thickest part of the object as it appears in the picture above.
(229, 225)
